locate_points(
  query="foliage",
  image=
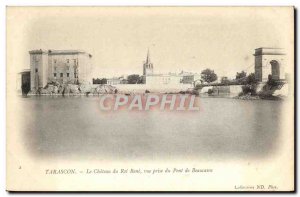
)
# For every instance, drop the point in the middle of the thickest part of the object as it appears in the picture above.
(240, 75)
(210, 91)
(208, 75)
(100, 81)
(225, 80)
(272, 82)
(249, 89)
(251, 79)
(250, 85)
(134, 79)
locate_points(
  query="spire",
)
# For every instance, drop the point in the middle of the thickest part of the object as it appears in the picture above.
(147, 66)
(148, 57)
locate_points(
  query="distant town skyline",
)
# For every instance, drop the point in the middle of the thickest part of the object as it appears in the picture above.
(185, 40)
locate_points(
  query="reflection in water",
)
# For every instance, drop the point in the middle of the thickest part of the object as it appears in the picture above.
(224, 128)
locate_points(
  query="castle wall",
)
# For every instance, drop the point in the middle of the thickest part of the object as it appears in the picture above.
(85, 68)
(163, 79)
(59, 66)
(62, 68)
(38, 70)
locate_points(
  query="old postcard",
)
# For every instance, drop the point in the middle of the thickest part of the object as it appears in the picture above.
(150, 99)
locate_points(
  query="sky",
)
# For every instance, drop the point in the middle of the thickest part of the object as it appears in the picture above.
(188, 39)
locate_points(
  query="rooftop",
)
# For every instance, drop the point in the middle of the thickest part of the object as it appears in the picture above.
(164, 75)
(56, 52)
(25, 71)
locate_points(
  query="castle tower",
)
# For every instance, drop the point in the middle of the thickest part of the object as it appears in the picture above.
(148, 66)
(38, 68)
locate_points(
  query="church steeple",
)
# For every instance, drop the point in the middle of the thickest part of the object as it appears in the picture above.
(148, 57)
(148, 66)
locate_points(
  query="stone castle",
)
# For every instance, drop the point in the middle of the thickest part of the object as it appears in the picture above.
(62, 66)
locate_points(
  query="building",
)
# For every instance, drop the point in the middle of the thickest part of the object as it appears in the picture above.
(269, 61)
(123, 79)
(150, 78)
(191, 78)
(162, 79)
(114, 81)
(23, 81)
(148, 66)
(63, 66)
(117, 80)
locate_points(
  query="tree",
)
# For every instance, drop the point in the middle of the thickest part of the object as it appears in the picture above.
(100, 81)
(225, 80)
(240, 75)
(96, 81)
(210, 91)
(133, 79)
(208, 75)
(250, 85)
(104, 81)
(251, 79)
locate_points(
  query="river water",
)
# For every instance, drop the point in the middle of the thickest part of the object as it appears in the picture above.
(76, 127)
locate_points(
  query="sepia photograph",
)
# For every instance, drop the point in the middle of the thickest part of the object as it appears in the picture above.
(150, 99)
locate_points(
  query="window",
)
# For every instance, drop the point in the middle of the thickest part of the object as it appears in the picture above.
(36, 70)
(54, 74)
(68, 74)
(74, 61)
(61, 74)
(68, 60)
(54, 60)
(55, 68)
(68, 67)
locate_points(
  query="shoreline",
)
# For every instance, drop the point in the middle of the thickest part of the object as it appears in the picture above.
(242, 97)
(260, 97)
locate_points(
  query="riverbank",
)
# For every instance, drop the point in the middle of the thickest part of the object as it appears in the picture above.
(260, 97)
(73, 89)
(247, 97)
(55, 89)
